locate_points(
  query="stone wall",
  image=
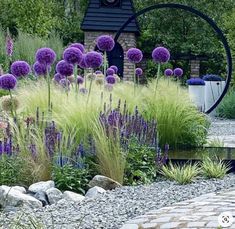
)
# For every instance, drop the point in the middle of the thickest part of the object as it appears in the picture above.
(126, 40)
(195, 68)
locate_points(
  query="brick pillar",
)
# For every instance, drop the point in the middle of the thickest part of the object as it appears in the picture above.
(195, 68)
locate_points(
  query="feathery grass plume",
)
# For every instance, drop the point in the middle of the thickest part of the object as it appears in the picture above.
(6, 102)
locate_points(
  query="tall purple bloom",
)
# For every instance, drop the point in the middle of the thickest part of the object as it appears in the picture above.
(115, 68)
(45, 56)
(72, 55)
(64, 68)
(105, 43)
(78, 46)
(178, 72)
(93, 59)
(80, 80)
(9, 45)
(65, 83)
(134, 55)
(168, 72)
(83, 63)
(161, 55)
(39, 69)
(8, 82)
(58, 77)
(138, 71)
(98, 72)
(111, 79)
(110, 72)
(20, 68)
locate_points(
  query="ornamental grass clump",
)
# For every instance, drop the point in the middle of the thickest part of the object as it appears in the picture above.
(214, 168)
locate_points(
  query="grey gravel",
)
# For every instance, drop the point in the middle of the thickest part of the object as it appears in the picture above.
(111, 209)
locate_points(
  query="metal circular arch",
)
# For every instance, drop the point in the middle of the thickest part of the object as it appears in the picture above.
(209, 21)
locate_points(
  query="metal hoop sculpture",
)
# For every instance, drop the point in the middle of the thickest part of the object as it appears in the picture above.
(210, 22)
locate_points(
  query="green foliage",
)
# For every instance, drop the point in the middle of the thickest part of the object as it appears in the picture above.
(215, 142)
(214, 168)
(140, 165)
(70, 178)
(226, 108)
(3, 93)
(182, 174)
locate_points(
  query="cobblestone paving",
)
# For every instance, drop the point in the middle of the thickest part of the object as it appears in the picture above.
(200, 212)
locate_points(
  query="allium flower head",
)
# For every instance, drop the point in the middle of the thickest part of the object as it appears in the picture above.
(178, 72)
(99, 81)
(111, 79)
(93, 59)
(58, 77)
(78, 46)
(64, 83)
(71, 78)
(105, 43)
(115, 68)
(9, 45)
(98, 72)
(90, 76)
(110, 72)
(20, 68)
(168, 72)
(196, 81)
(45, 56)
(100, 75)
(108, 87)
(40, 69)
(161, 55)
(72, 55)
(138, 71)
(64, 68)
(7, 103)
(80, 80)
(134, 55)
(8, 82)
(83, 63)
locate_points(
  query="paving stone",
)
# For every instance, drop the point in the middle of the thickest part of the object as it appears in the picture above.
(196, 224)
(138, 221)
(190, 218)
(130, 226)
(161, 220)
(149, 226)
(170, 225)
(212, 224)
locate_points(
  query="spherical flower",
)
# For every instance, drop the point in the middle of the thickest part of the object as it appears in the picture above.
(80, 80)
(168, 72)
(115, 68)
(98, 72)
(7, 103)
(99, 81)
(83, 63)
(78, 46)
(178, 72)
(108, 87)
(138, 71)
(83, 90)
(90, 76)
(45, 56)
(71, 78)
(134, 55)
(72, 55)
(196, 81)
(58, 77)
(8, 82)
(65, 83)
(40, 69)
(64, 68)
(100, 75)
(20, 68)
(161, 55)
(111, 79)
(93, 59)
(110, 72)
(105, 43)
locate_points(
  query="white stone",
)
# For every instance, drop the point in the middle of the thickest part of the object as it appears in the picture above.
(54, 195)
(93, 192)
(130, 226)
(42, 186)
(15, 198)
(19, 188)
(72, 196)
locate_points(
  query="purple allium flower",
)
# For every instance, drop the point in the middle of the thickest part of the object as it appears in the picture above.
(9, 46)
(40, 69)
(45, 56)
(105, 43)
(8, 82)
(58, 77)
(20, 68)
(138, 71)
(134, 55)
(93, 59)
(110, 72)
(83, 90)
(196, 81)
(83, 63)
(64, 83)
(111, 79)
(80, 80)
(168, 72)
(98, 72)
(108, 87)
(211, 77)
(161, 55)
(72, 55)
(178, 72)
(64, 68)
(115, 68)
(78, 46)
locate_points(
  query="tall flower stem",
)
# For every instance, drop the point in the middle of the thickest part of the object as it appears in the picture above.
(134, 80)
(105, 62)
(75, 77)
(85, 77)
(158, 76)
(90, 87)
(67, 87)
(49, 90)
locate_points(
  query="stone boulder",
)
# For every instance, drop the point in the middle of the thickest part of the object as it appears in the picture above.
(15, 197)
(41, 186)
(93, 192)
(72, 196)
(104, 182)
(54, 195)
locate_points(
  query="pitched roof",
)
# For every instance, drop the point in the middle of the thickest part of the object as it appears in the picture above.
(103, 18)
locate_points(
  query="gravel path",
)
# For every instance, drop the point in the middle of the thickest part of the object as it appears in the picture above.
(111, 209)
